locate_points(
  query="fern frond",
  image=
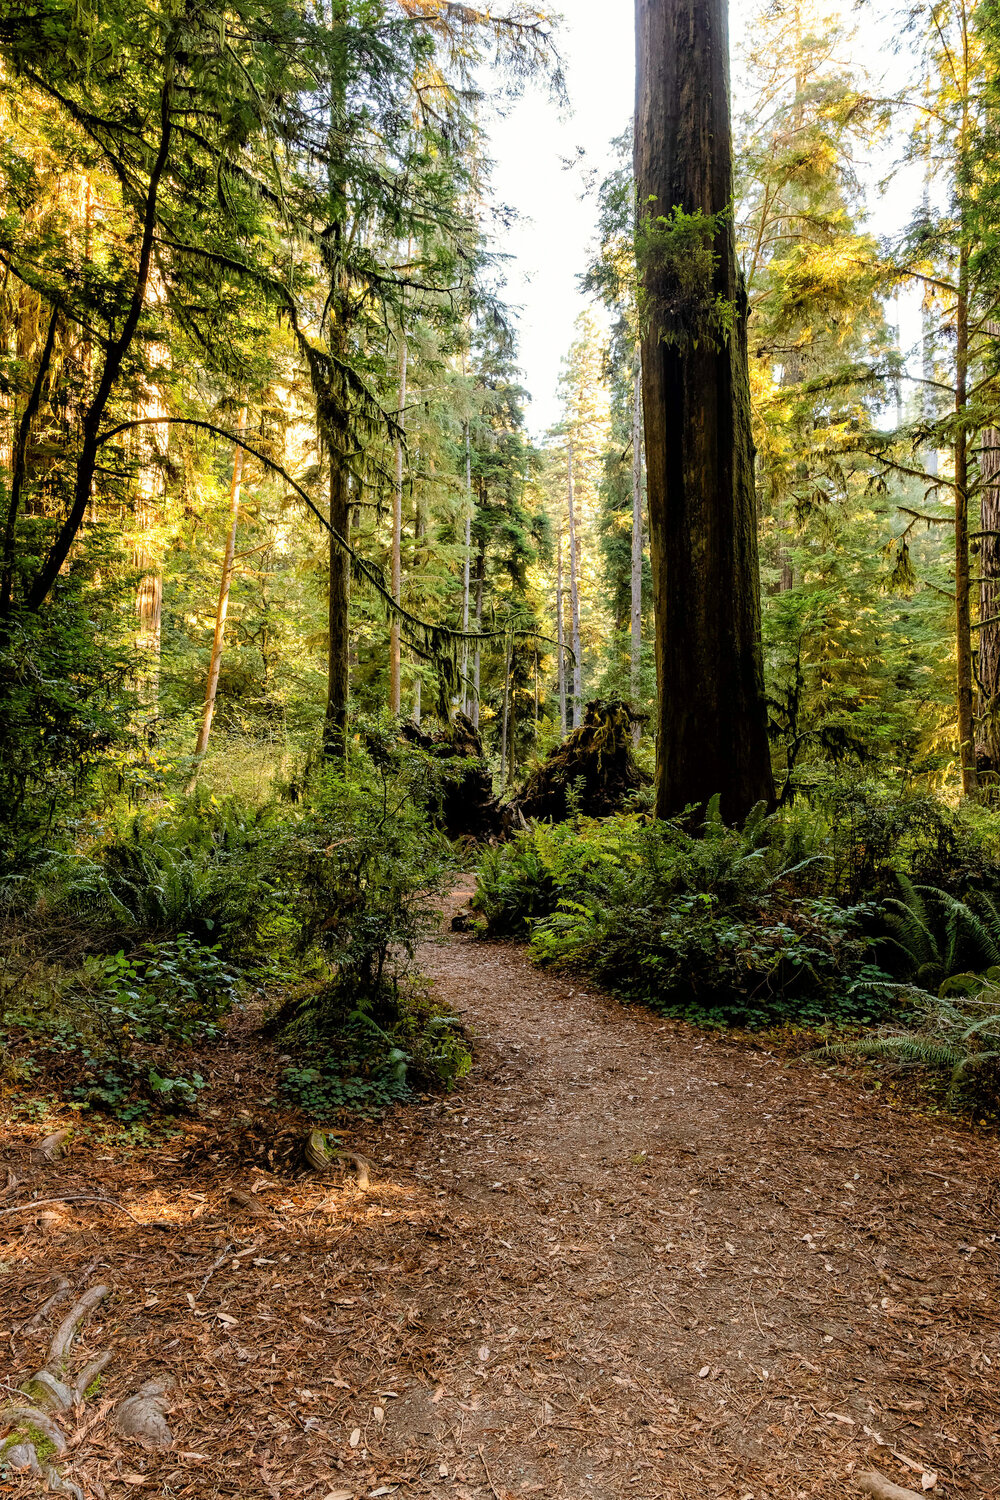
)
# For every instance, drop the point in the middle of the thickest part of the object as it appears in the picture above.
(915, 1049)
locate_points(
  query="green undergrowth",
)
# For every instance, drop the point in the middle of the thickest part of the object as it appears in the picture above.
(851, 915)
(121, 954)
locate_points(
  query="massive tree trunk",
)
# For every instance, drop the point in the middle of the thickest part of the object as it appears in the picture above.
(477, 658)
(574, 593)
(466, 570)
(636, 661)
(699, 451)
(395, 687)
(963, 593)
(560, 641)
(989, 603)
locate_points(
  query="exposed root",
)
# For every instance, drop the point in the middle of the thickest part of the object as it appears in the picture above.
(87, 1376)
(60, 1294)
(51, 1148)
(593, 769)
(30, 1416)
(143, 1416)
(33, 1427)
(320, 1156)
(69, 1328)
(874, 1483)
(20, 1208)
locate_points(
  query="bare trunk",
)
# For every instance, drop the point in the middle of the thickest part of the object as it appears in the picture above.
(338, 661)
(536, 692)
(963, 622)
(221, 610)
(480, 581)
(506, 710)
(397, 540)
(636, 658)
(989, 601)
(574, 591)
(560, 638)
(712, 727)
(466, 569)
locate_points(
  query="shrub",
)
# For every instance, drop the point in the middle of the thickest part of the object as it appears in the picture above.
(718, 924)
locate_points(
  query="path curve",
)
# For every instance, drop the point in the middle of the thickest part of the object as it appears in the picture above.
(625, 1259)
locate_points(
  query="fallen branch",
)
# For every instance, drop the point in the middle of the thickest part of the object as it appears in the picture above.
(68, 1198)
(874, 1483)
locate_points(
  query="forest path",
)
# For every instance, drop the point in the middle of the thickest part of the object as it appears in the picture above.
(624, 1259)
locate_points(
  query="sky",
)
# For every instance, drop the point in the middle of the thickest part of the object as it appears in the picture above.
(549, 243)
(545, 157)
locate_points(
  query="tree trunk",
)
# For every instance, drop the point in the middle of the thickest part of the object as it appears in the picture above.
(963, 615)
(114, 357)
(699, 451)
(477, 660)
(338, 669)
(221, 610)
(397, 540)
(466, 569)
(560, 638)
(574, 592)
(506, 710)
(636, 656)
(989, 601)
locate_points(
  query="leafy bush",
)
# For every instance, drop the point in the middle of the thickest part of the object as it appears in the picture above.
(144, 936)
(66, 691)
(172, 991)
(107, 1026)
(352, 1062)
(719, 924)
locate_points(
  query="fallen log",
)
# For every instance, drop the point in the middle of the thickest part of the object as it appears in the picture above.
(593, 771)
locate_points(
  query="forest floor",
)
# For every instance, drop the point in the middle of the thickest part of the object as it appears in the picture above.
(626, 1258)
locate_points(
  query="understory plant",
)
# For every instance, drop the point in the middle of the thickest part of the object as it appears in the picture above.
(955, 1033)
(731, 926)
(126, 953)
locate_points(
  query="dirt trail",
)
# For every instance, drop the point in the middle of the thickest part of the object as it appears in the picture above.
(626, 1259)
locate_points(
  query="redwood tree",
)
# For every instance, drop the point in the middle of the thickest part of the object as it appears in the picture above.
(712, 726)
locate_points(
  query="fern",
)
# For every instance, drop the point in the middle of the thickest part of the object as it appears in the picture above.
(915, 1049)
(959, 1034)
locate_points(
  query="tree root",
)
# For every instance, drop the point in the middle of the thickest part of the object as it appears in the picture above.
(874, 1483)
(320, 1156)
(35, 1439)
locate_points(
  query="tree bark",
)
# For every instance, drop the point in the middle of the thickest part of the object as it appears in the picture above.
(506, 710)
(397, 540)
(477, 659)
(636, 656)
(221, 610)
(712, 726)
(19, 464)
(989, 600)
(560, 637)
(466, 569)
(963, 614)
(338, 669)
(574, 592)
